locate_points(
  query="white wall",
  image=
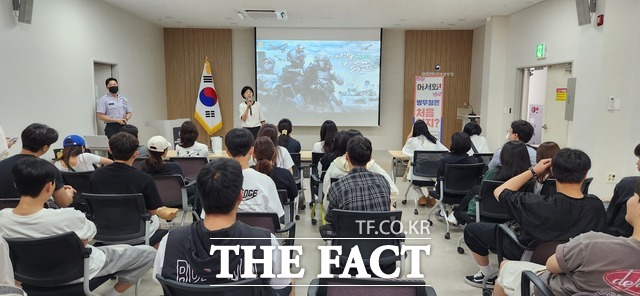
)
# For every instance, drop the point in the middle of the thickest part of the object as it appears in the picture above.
(47, 73)
(386, 136)
(475, 84)
(604, 59)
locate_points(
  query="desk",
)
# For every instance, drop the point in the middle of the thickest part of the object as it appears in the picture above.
(172, 153)
(397, 157)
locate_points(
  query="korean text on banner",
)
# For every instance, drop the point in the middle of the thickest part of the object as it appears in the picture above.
(428, 102)
(207, 103)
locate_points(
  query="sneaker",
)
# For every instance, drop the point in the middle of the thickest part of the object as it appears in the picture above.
(452, 219)
(440, 214)
(476, 280)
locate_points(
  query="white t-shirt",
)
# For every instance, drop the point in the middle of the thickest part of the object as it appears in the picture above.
(480, 143)
(197, 150)
(259, 194)
(47, 222)
(85, 163)
(254, 116)
(318, 147)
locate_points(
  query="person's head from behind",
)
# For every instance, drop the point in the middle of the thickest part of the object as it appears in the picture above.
(514, 159)
(472, 128)
(239, 142)
(340, 147)
(547, 150)
(263, 151)
(157, 147)
(220, 186)
(123, 146)
(570, 166)
(460, 143)
(420, 128)
(270, 131)
(72, 146)
(521, 130)
(636, 151)
(285, 127)
(130, 129)
(188, 134)
(34, 177)
(37, 138)
(328, 131)
(359, 151)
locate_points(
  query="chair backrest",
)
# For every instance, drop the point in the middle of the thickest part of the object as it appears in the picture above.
(48, 261)
(170, 189)
(191, 166)
(296, 159)
(248, 287)
(118, 217)
(425, 163)
(8, 202)
(549, 186)
(78, 180)
(371, 287)
(268, 221)
(137, 163)
(489, 206)
(543, 251)
(349, 224)
(460, 178)
(315, 159)
(483, 157)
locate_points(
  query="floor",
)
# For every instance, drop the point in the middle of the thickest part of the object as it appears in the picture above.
(443, 268)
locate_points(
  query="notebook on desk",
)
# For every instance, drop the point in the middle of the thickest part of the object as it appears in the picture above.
(100, 142)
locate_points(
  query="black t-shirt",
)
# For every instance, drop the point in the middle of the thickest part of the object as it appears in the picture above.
(555, 217)
(617, 225)
(293, 145)
(120, 178)
(168, 168)
(7, 189)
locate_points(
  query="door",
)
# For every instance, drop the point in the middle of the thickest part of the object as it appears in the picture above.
(101, 71)
(555, 127)
(536, 104)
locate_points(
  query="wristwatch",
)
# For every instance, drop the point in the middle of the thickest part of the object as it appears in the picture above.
(533, 172)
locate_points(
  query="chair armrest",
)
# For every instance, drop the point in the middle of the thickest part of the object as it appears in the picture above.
(313, 287)
(504, 231)
(86, 252)
(478, 198)
(190, 183)
(529, 276)
(146, 217)
(315, 178)
(430, 291)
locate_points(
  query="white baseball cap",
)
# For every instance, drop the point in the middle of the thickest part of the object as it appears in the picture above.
(158, 144)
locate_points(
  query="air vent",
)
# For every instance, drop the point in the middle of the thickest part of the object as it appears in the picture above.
(265, 14)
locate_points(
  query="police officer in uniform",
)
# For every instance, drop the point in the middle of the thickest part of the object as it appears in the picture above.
(113, 109)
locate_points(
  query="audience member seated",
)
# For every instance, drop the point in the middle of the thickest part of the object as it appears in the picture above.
(520, 130)
(360, 189)
(557, 217)
(6, 270)
(514, 159)
(36, 141)
(122, 178)
(460, 144)
(133, 130)
(589, 264)
(282, 159)
(616, 212)
(155, 165)
(284, 139)
(35, 181)
(220, 190)
(336, 151)
(327, 133)
(545, 150)
(421, 139)
(75, 159)
(188, 146)
(259, 193)
(478, 142)
(263, 152)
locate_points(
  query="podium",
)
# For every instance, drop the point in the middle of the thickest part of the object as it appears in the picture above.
(467, 115)
(170, 129)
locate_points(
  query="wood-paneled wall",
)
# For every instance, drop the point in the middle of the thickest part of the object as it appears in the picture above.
(184, 53)
(452, 51)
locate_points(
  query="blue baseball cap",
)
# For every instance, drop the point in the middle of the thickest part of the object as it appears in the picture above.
(73, 140)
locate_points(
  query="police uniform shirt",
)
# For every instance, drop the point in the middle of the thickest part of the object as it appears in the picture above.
(112, 107)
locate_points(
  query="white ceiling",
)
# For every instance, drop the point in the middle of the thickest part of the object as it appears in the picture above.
(401, 14)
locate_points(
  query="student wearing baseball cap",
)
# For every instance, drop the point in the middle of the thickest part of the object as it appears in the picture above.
(155, 164)
(74, 157)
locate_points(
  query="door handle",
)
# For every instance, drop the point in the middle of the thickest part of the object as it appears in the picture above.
(544, 126)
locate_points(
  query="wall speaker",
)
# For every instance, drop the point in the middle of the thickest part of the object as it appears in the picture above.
(25, 9)
(584, 9)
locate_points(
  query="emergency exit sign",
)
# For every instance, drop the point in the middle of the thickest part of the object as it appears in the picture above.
(541, 51)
